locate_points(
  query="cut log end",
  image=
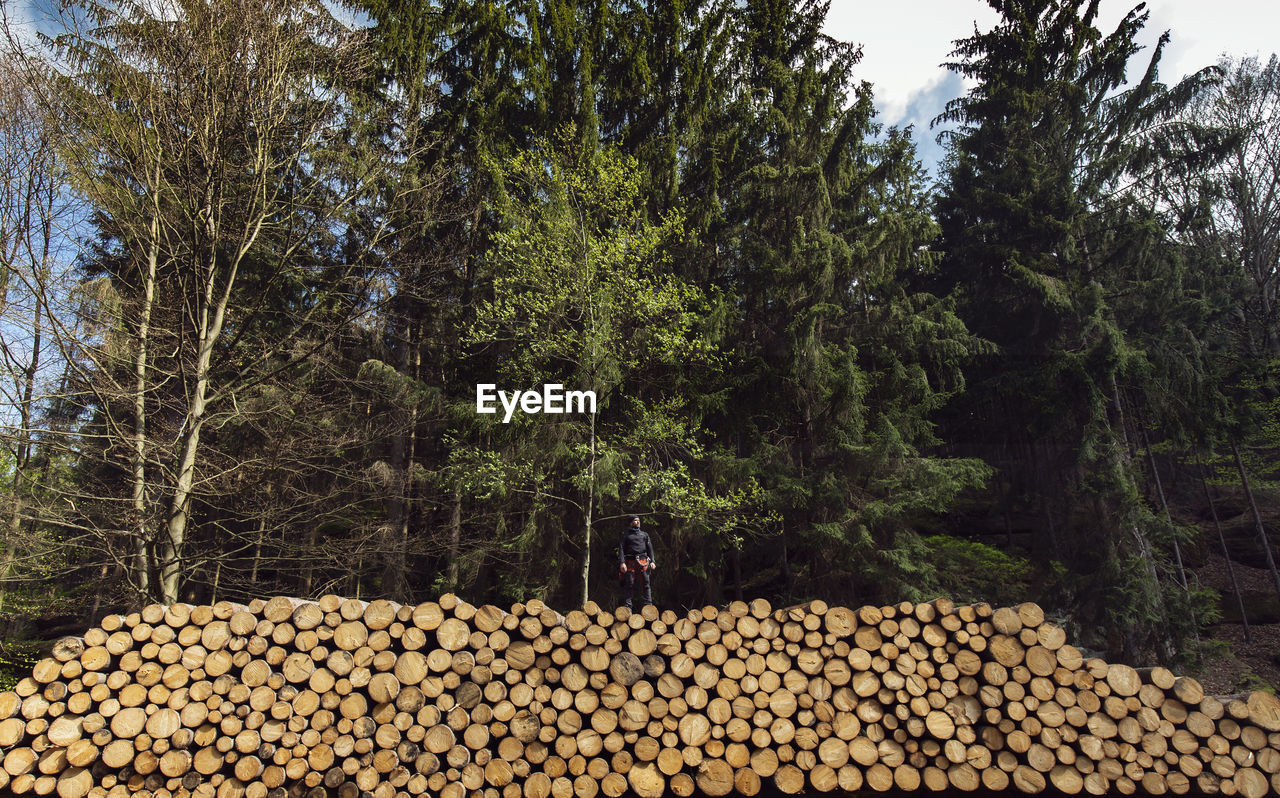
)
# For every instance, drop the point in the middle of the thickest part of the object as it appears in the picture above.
(286, 698)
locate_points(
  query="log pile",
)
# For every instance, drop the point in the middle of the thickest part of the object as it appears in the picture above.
(289, 698)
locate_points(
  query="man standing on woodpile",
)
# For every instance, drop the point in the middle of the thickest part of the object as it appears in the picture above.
(635, 560)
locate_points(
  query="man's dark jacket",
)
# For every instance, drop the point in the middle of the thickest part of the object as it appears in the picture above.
(635, 543)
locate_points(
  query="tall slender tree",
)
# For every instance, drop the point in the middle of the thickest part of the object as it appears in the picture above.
(36, 213)
(578, 299)
(811, 232)
(1038, 229)
(203, 135)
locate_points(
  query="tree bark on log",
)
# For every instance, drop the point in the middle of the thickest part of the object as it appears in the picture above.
(288, 697)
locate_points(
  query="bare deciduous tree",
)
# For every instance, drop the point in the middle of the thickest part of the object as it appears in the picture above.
(36, 211)
(208, 138)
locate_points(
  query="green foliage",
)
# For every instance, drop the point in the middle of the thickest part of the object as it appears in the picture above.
(17, 658)
(1250, 681)
(575, 278)
(1053, 257)
(578, 294)
(969, 571)
(816, 376)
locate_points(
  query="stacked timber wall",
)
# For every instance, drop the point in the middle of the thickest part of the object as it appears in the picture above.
(288, 698)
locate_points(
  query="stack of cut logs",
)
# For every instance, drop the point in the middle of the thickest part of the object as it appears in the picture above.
(289, 698)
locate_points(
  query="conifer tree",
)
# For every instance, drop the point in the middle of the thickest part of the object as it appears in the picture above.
(1039, 233)
(839, 364)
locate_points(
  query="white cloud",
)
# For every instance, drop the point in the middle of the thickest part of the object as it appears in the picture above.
(903, 43)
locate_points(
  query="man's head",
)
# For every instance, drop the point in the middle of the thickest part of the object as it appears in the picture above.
(634, 521)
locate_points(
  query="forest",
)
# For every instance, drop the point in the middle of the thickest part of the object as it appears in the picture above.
(256, 257)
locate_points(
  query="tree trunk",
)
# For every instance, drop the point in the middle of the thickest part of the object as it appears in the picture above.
(1177, 550)
(1166, 652)
(408, 491)
(257, 549)
(94, 609)
(455, 541)
(586, 528)
(1226, 555)
(788, 577)
(217, 578)
(394, 580)
(1164, 504)
(309, 567)
(1257, 517)
(530, 534)
(212, 313)
(393, 567)
(173, 543)
(737, 572)
(138, 455)
(22, 456)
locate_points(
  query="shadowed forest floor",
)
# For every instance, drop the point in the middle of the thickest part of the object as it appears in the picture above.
(1245, 663)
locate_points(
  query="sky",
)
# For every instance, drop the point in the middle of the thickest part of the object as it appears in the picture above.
(904, 42)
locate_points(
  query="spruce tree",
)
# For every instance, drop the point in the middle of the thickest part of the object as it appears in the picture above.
(839, 363)
(1039, 237)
